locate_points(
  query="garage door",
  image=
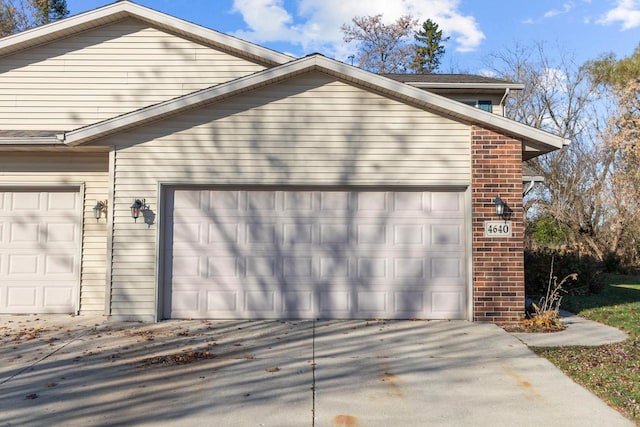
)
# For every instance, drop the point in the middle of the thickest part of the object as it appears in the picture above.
(39, 251)
(250, 253)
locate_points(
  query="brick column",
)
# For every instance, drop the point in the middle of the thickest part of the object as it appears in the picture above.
(498, 263)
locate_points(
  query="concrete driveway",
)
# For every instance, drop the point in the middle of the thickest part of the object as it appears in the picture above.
(80, 371)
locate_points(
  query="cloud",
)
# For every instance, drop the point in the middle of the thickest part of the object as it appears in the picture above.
(315, 25)
(267, 19)
(566, 8)
(627, 12)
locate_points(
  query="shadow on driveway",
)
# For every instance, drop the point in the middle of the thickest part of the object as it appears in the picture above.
(61, 370)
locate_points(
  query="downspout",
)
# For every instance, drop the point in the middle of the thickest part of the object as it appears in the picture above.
(507, 91)
(529, 188)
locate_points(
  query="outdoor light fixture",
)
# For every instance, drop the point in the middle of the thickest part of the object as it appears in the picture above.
(137, 207)
(101, 206)
(500, 207)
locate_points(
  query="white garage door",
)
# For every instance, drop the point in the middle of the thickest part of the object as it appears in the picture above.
(249, 253)
(39, 251)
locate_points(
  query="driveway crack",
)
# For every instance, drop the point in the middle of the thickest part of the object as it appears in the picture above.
(49, 354)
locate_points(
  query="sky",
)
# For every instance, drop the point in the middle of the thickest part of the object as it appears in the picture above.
(478, 29)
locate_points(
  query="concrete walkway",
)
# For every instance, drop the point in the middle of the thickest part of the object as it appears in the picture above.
(60, 370)
(580, 332)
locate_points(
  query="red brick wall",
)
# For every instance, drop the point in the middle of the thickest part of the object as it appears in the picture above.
(498, 263)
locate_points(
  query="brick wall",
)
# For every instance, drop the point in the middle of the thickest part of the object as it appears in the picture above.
(498, 263)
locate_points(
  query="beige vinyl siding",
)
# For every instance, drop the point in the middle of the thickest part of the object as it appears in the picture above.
(309, 130)
(105, 72)
(48, 170)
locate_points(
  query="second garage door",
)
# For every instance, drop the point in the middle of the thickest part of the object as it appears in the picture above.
(343, 254)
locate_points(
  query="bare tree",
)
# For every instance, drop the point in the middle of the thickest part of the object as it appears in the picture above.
(579, 193)
(20, 15)
(381, 48)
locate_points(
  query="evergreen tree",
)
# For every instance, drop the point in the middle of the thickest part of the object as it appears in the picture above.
(429, 48)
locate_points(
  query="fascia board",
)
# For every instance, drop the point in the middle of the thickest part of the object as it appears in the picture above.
(469, 86)
(30, 141)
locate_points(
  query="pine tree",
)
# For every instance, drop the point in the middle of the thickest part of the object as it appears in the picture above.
(429, 48)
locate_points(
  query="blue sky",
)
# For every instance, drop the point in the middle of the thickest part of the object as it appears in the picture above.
(477, 28)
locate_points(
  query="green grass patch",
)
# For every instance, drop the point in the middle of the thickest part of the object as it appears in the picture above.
(611, 371)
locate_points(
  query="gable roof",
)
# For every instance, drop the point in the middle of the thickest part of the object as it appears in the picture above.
(125, 9)
(535, 140)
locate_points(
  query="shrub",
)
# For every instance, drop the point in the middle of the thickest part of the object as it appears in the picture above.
(536, 264)
(545, 315)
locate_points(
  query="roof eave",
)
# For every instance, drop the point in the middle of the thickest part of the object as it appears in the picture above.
(469, 86)
(30, 141)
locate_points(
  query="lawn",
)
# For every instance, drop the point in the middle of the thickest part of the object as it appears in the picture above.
(610, 371)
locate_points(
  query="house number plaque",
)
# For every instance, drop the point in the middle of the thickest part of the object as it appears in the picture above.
(498, 229)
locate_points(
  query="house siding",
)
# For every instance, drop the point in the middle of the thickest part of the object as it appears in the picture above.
(105, 72)
(310, 130)
(50, 170)
(498, 263)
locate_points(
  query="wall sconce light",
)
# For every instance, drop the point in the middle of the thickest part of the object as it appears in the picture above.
(99, 208)
(500, 207)
(137, 207)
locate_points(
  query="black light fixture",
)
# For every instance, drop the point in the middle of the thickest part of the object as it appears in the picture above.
(101, 206)
(137, 207)
(500, 206)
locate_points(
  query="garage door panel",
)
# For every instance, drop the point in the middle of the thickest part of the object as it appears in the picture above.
(21, 297)
(297, 233)
(408, 201)
(408, 234)
(298, 201)
(371, 302)
(335, 201)
(441, 203)
(409, 269)
(222, 267)
(281, 254)
(39, 251)
(447, 302)
(334, 268)
(61, 233)
(23, 266)
(25, 201)
(299, 302)
(57, 297)
(446, 235)
(447, 269)
(371, 234)
(24, 232)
